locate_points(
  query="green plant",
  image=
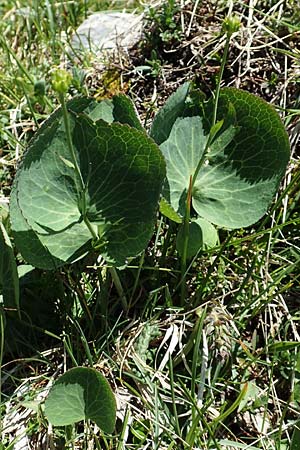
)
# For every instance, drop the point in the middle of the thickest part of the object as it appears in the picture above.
(89, 193)
(164, 24)
(88, 183)
(248, 283)
(82, 394)
(91, 179)
(235, 168)
(154, 65)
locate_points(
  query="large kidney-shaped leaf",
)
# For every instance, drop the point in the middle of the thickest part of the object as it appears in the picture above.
(80, 394)
(122, 170)
(242, 169)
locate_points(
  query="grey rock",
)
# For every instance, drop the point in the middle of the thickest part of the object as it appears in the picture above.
(107, 31)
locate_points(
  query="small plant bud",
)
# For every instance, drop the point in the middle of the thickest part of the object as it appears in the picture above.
(231, 24)
(39, 88)
(61, 81)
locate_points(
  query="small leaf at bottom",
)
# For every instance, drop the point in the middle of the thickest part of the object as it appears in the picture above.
(80, 394)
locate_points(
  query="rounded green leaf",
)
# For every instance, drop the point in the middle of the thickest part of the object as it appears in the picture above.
(202, 235)
(210, 237)
(238, 185)
(43, 250)
(80, 394)
(122, 171)
(242, 169)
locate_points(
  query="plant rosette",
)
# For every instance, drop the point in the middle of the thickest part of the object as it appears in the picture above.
(232, 168)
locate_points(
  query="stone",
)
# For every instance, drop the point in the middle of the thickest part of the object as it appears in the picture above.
(109, 30)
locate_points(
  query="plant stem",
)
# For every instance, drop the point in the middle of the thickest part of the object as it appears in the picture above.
(82, 187)
(199, 165)
(69, 140)
(90, 227)
(137, 278)
(175, 413)
(215, 110)
(119, 287)
(82, 205)
(201, 161)
(186, 225)
(2, 336)
(218, 87)
(121, 439)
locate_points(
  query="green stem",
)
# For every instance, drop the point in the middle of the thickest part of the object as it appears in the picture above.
(69, 140)
(218, 87)
(2, 327)
(214, 118)
(175, 413)
(68, 348)
(186, 225)
(119, 287)
(232, 407)
(186, 221)
(82, 187)
(83, 207)
(202, 159)
(121, 440)
(137, 278)
(90, 227)
(22, 68)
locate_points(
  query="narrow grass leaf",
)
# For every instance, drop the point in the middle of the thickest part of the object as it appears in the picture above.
(295, 442)
(283, 346)
(9, 281)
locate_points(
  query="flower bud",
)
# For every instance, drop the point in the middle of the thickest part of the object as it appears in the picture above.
(61, 81)
(231, 24)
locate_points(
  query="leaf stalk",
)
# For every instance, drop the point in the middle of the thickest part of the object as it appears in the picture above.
(213, 130)
(82, 202)
(186, 225)
(119, 287)
(220, 76)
